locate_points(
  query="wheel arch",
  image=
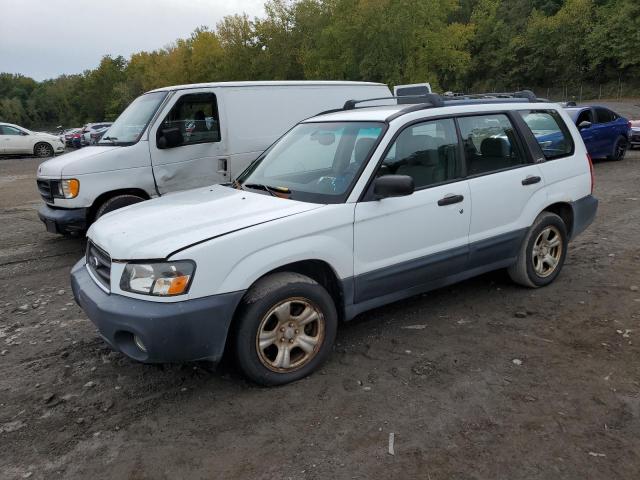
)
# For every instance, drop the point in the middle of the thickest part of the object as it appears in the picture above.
(565, 211)
(103, 197)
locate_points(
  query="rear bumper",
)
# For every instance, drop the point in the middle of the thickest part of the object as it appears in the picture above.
(584, 211)
(63, 220)
(170, 332)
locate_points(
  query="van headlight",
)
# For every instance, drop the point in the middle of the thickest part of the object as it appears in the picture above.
(68, 188)
(164, 279)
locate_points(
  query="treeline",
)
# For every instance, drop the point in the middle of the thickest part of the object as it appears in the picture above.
(460, 45)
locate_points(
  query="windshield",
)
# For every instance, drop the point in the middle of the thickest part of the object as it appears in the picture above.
(129, 126)
(314, 162)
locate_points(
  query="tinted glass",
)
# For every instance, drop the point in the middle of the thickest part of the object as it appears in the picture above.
(314, 162)
(427, 152)
(584, 116)
(604, 116)
(7, 130)
(550, 132)
(489, 143)
(196, 116)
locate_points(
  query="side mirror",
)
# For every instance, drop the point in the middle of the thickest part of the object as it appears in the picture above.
(169, 138)
(393, 186)
(584, 124)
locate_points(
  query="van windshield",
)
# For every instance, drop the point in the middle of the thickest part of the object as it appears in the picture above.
(314, 162)
(129, 126)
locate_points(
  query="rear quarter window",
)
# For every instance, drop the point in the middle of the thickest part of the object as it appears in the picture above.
(550, 132)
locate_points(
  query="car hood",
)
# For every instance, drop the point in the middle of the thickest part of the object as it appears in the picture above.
(157, 228)
(80, 162)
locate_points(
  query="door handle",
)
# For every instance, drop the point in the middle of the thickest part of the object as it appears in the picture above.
(450, 200)
(530, 180)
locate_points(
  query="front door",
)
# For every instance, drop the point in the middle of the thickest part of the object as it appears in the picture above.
(408, 243)
(14, 140)
(190, 154)
(502, 181)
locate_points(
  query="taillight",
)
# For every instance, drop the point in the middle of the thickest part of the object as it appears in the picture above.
(593, 180)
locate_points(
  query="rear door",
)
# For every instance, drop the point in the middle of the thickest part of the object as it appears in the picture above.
(503, 181)
(604, 131)
(194, 161)
(411, 242)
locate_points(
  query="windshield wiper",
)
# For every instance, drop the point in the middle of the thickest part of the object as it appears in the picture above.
(273, 191)
(113, 139)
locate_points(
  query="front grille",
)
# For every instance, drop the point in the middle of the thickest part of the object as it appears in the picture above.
(99, 263)
(46, 189)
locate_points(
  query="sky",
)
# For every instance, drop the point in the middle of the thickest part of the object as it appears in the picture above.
(46, 38)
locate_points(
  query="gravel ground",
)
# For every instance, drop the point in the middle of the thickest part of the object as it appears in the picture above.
(481, 380)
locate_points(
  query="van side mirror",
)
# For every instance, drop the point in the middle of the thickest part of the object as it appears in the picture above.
(584, 124)
(169, 138)
(393, 186)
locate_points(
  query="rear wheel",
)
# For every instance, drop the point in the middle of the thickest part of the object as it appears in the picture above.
(619, 149)
(117, 202)
(542, 253)
(43, 150)
(287, 323)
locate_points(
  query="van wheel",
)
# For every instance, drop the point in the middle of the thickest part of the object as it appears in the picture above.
(542, 253)
(286, 327)
(117, 202)
(43, 150)
(619, 150)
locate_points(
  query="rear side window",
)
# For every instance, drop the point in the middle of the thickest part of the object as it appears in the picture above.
(427, 152)
(489, 144)
(604, 116)
(550, 132)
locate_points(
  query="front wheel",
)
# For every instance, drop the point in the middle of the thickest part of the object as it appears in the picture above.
(286, 327)
(43, 150)
(542, 253)
(619, 149)
(119, 201)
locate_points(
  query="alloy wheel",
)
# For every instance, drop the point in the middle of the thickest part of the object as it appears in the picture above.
(547, 251)
(290, 335)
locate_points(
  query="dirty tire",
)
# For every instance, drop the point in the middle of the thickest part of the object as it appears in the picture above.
(525, 271)
(117, 202)
(283, 305)
(43, 150)
(619, 149)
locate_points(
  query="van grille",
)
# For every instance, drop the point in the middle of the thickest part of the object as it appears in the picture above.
(46, 189)
(99, 262)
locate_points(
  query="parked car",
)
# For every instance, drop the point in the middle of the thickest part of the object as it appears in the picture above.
(76, 138)
(68, 136)
(182, 137)
(16, 140)
(634, 138)
(605, 133)
(97, 134)
(348, 211)
(89, 129)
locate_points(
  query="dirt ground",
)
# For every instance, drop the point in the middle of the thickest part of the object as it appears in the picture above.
(481, 380)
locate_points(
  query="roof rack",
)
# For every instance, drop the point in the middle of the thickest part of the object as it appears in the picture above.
(434, 100)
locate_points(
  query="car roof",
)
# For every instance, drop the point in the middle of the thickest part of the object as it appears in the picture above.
(265, 83)
(12, 125)
(387, 113)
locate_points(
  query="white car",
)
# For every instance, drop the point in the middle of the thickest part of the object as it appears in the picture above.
(91, 128)
(16, 140)
(348, 211)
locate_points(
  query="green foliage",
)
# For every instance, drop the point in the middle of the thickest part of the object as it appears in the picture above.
(468, 45)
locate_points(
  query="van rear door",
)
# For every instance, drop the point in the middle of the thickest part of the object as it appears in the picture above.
(186, 143)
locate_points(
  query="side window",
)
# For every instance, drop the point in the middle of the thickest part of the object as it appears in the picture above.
(489, 143)
(195, 116)
(550, 131)
(427, 152)
(604, 116)
(7, 130)
(585, 116)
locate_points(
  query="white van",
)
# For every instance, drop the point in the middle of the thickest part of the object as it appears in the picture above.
(181, 137)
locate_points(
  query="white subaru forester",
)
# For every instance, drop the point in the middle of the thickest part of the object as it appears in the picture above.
(350, 210)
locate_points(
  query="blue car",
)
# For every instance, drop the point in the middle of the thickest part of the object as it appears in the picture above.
(605, 133)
